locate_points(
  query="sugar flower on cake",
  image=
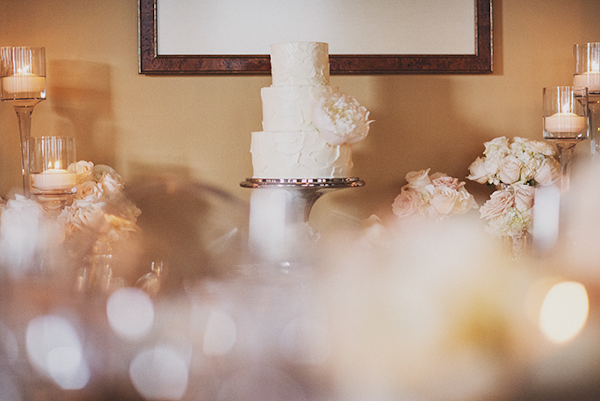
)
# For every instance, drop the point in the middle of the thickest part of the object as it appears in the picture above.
(341, 119)
(99, 205)
(518, 161)
(435, 196)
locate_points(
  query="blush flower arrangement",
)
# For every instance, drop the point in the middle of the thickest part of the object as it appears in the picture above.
(341, 119)
(514, 168)
(436, 195)
(99, 205)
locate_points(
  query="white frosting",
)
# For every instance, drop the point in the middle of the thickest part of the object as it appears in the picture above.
(300, 63)
(291, 107)
(298, 154)
(290, 146)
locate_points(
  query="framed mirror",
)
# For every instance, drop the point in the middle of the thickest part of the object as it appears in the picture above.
(375, 37)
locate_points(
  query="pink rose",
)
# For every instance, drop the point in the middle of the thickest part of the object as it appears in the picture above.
(418, 179)
(497, 205)
(510, 169)
(478, 171)
(440, 181)
(524, 195)
(443, 199)
(548, 172)
(88, 190)
(405, 204)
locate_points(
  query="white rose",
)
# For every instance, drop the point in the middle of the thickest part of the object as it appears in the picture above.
(548, 173)
(443, 200)
(83, 169)
(464, 202)
(341, 119)
(418, 179)
(478, 171)
(510, 169)
(111, 183)
(88, 190)
(496, 146)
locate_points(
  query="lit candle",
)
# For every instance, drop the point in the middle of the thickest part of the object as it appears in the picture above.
(564, 122)
(590, 79)
(23, 82)
(54, 179)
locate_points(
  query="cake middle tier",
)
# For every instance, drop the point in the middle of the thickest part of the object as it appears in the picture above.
(298, 154)
(289, 108)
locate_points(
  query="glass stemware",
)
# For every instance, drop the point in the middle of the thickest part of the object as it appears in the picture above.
(587, 73)
(23, 83)
(565, 123)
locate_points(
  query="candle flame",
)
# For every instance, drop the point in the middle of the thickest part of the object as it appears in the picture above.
(57, 164)
(23, 70)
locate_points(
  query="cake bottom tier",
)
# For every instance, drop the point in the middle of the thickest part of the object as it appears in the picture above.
(298, 154)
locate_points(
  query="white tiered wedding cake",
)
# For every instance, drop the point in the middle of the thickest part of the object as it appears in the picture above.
(308, 127)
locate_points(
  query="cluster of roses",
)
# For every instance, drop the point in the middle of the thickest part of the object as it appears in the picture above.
(515, 169)
(435, 196)
(99, 205)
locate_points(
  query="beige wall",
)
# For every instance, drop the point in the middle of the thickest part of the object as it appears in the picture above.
(199, 126)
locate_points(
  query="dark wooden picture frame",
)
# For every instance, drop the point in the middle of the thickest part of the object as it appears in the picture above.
(150, 62)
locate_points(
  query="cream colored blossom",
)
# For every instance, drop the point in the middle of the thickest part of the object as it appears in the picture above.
(418, 179)
(83, 169)
(88, 190)
(433, 196)
(405, 204)
(341, 119)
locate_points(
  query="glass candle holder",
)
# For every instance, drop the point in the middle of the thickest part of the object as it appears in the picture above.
(23, 84)
(587, 67)
(23, 74)
(565, 112)
(50, 161)
(587, 73)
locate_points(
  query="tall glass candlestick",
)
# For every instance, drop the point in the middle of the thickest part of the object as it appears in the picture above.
(587, 73)
(565, 123)
(23, 84)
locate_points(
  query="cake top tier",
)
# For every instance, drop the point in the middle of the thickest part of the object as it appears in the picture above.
(300, 63)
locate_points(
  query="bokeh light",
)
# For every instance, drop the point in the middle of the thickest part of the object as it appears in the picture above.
(564, 311)
(55, 350)
(130, 313)
(159, 373)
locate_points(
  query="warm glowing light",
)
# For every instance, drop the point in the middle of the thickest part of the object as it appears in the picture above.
(130, 313)
(564, 311)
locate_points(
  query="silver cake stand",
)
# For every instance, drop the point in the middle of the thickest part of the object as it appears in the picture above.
(306, 190)
(279, 212)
